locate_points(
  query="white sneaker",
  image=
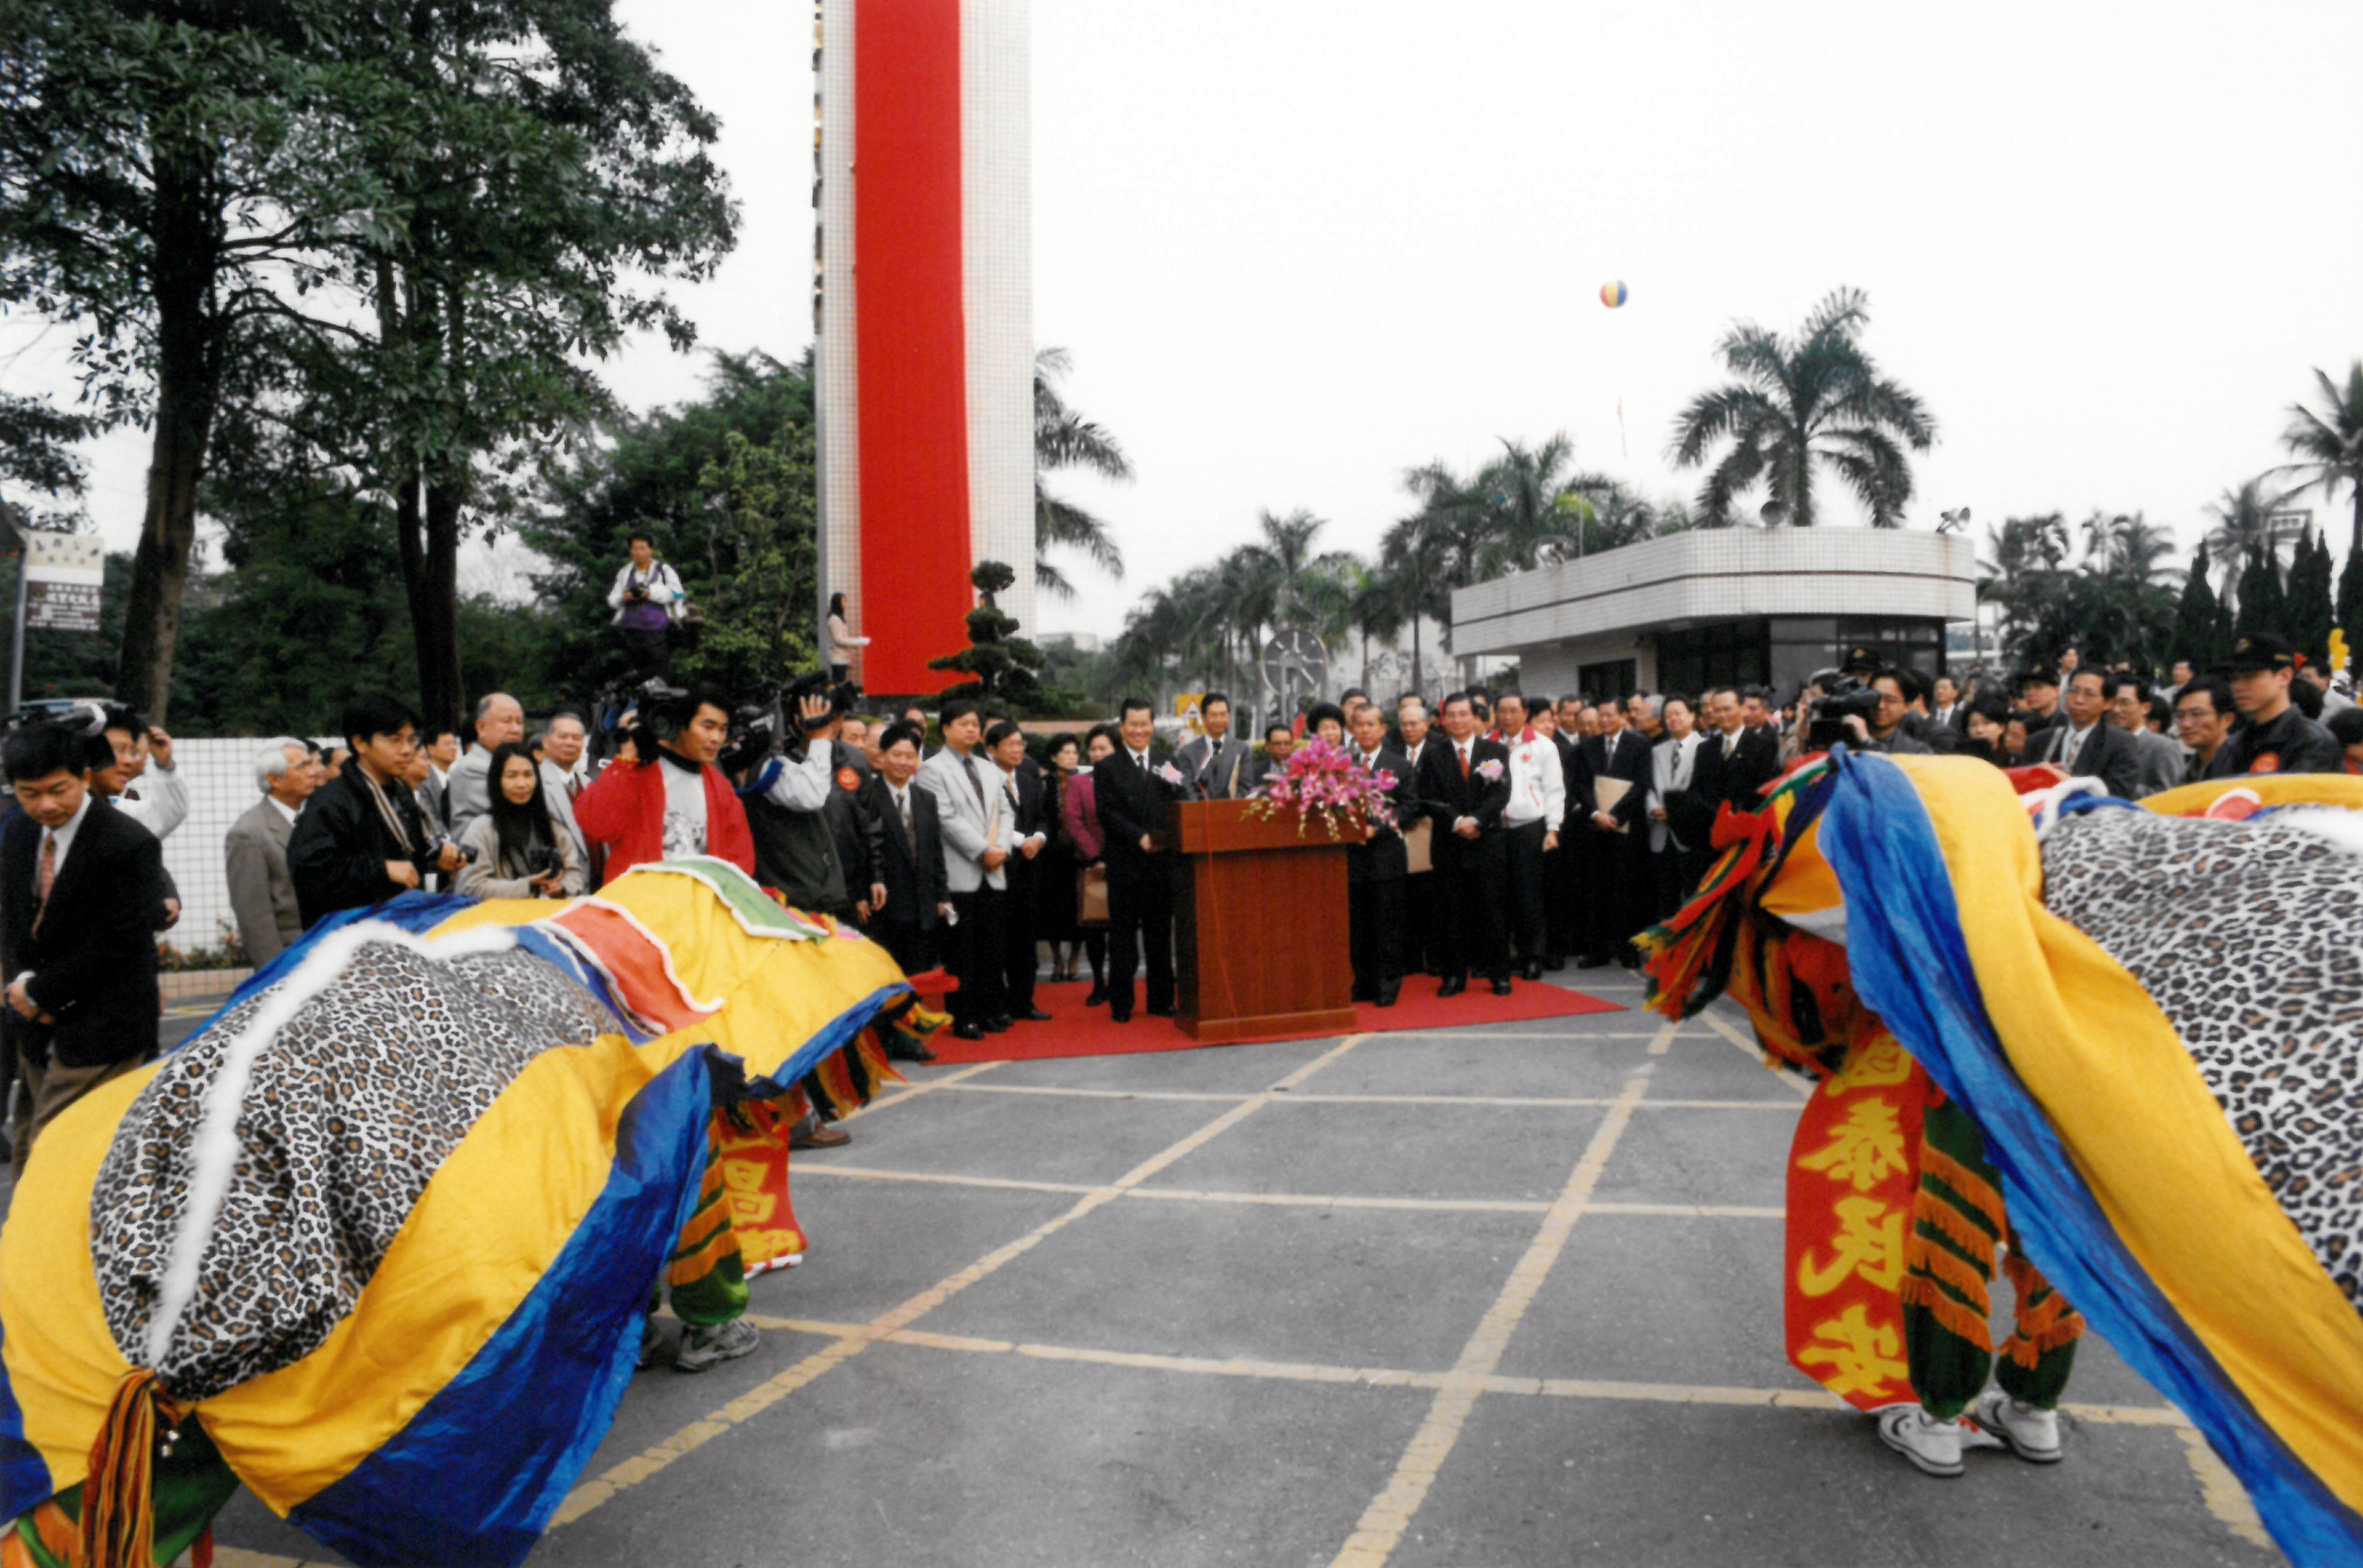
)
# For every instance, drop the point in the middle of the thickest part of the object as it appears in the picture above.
(2032, 1434)
(1933, 1446)
(708, 1345)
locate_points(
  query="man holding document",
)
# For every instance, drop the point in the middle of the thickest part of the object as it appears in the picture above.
(1611, 793)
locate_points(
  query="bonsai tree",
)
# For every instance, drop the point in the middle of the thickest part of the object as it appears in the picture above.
(1000, 664)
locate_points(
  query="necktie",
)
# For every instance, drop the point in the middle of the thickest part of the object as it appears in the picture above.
(975, 781)
(49, 874)
(903, 804)
(1730, 744)
(1141, 757)
(573, 786)
(1464, 760)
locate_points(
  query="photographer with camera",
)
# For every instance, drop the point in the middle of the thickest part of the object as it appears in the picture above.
(662, 798)
(517, 850)
(647, 600)
(813, 842)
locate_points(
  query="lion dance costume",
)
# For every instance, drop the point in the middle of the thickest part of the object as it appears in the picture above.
(2117, 1041)
(379, 1240)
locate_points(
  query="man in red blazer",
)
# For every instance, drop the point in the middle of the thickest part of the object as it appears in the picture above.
(673, 801)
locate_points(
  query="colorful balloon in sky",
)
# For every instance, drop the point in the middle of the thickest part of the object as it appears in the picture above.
(1612, 294)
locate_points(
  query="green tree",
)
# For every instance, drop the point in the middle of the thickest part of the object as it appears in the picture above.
(2194, 616)
(2024, 575)
(1063, 438)
(2328, 441)
(758, 622)
(648, 470)
(2350, 604)
(2243, 526)
(2262, 605)
(1001, 665)
(170, 171)
(2310, 613)
(1818, 399)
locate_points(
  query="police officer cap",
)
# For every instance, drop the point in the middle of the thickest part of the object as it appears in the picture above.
(2261, 650)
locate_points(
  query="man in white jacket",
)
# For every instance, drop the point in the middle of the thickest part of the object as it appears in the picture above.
(1530, 825)
(647, 600)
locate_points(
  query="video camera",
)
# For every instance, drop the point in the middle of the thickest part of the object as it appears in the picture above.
(1826, 726)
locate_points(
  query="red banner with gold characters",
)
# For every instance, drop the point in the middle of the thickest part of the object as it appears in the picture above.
(755, 1177)
(1853, 1172)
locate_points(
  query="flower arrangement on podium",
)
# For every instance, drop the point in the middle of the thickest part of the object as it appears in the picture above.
(1322, 782)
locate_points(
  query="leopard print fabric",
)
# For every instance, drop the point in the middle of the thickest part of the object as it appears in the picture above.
(2243, 934)
(351, 1110)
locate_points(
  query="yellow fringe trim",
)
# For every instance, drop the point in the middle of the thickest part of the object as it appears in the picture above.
(1918, 1290)
(1942, 1266)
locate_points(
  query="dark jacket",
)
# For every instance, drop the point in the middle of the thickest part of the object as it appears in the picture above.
(94, 959)
(2108, 752)
(1383, 857)
(2291, 744)
(337, 853)
(1756, 763)
(1131, 803)
(1624, 756)
(860, 838)
(1445, 797)
(800, 854)
(910, 864)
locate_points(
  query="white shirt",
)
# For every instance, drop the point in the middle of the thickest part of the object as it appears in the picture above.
(803, 785)
(1139, 759)
(684, 823)
(1538, 787)
(64, 838)
(163, 803)
(283, 808)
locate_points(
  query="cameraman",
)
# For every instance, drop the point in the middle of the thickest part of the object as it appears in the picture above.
(647, 600)
(662, 798)
(812, 842)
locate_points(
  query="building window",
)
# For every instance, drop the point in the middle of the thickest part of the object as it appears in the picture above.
(1701, 659)
(1613, 680)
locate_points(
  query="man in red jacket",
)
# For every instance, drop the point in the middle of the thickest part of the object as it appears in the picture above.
(674, 803)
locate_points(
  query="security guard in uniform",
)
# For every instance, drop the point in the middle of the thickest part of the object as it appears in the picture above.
(2272, 735)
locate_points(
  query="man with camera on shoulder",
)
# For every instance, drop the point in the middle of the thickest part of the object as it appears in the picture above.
(663, 798)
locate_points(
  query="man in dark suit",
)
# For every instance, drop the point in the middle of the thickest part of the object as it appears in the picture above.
(1413, 736)
(362, 840)
(1463, 786)
(79, 884)
(1619, 890)
(1218, 764)
(910, 867)
(2088, 746)
(1132, 789)
(1374, 870)
(1735, 762)
(1563, 929)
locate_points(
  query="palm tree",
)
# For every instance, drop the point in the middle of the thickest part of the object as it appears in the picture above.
(2244, 528)
(2329, 444)
(1065, 439)
(1819, 398)
(2024, 575)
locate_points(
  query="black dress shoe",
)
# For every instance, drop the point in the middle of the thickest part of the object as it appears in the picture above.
(1001, 1025)
(1388, 992)
(1555, 965)
(1592, 961)
(1364, 993)
(1120, 1014)
(1165, 1012)
(1033, 1015)
(1502, 986)
(1098, 997)
(968, 1030)
(1453, 986)
(1532, 970)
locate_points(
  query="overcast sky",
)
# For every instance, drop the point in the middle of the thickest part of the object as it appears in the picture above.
(1297, 248)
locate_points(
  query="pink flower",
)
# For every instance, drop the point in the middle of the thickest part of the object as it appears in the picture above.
(1490, 769)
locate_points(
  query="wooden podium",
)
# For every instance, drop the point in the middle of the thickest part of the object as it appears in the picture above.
(1259, 930)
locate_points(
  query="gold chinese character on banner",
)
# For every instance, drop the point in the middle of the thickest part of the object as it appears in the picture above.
(1863, 1358)
(1869, 1242)
(1878, 1064)
(1863, 1150)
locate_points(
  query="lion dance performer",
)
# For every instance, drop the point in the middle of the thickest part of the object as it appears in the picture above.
(2109, 1045)
(378, 1242)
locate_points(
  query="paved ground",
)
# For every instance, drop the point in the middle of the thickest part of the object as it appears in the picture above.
(1506, 1296)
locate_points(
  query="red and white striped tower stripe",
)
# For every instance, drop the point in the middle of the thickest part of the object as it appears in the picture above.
(925, 321)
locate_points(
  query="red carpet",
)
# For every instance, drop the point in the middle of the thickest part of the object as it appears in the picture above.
(1075, 1030)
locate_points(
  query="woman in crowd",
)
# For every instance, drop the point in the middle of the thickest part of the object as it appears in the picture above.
(1989, 728)
(1326, 720)
(1055, 888)
(842, 642)
(1078, 816)
(515, 850)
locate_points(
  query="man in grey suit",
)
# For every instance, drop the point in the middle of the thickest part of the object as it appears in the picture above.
(1218, 765)
(2161, 757)
(262, 893)
(978, 836)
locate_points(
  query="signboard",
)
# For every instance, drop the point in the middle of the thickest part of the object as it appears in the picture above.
(1294, 667)
(1185, 706)
(64, 574)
